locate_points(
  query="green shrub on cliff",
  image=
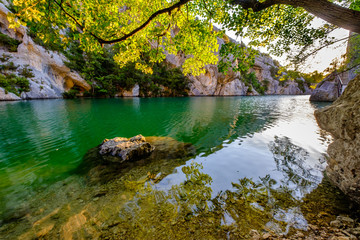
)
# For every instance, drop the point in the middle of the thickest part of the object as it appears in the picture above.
(251, 81)
(107, 78)
(14, 84)
(8, 42)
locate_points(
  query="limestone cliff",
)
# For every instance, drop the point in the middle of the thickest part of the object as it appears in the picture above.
(215, 83)
(342, 120)
(51, 76)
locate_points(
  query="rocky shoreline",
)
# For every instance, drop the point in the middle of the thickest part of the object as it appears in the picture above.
(343, 228)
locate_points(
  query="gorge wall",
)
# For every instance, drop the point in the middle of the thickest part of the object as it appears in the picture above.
(215, 83)
(342, 120)
(51, 77)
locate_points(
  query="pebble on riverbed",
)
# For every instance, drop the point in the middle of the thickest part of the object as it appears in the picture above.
(343, 228)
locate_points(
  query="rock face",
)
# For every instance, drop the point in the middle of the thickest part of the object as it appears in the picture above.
(342, 120)
(135, 92)
(51, 77)
(125, 149)
(326, 90)
(215, 83)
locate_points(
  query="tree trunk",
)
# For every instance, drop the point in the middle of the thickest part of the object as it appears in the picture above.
(330, 12)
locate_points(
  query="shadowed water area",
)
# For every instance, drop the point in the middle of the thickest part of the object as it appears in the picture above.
(224, 166)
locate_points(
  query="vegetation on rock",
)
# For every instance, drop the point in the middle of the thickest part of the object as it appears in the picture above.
(14, 84)
(107, 79)
(10, 43)
(138, 27)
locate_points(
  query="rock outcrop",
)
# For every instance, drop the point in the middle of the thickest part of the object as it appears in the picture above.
(124, 149)
(4, 96)
(342, 120)
(326, 90)
(51, 76)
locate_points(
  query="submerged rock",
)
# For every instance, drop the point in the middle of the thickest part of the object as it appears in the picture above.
(126, 149)
(167, 154)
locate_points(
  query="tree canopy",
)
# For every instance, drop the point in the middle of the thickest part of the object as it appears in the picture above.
(142, 30)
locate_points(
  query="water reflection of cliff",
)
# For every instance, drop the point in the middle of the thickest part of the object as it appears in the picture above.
(129, 205)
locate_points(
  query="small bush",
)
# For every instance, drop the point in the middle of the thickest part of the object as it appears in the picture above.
(5, 57)
(14, 84)
(26, 72)
(300, 85)
(71, 93)
(274, 72)
(10, 66)
(8, 42)
(252, 82)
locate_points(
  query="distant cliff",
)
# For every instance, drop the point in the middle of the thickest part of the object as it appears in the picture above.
(215, 83)
(29, 71)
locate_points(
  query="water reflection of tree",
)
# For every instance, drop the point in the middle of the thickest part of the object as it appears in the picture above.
(290, 160)
(187, 210)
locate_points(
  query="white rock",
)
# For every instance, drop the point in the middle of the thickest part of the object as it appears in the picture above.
(52, 77)
(8, 97)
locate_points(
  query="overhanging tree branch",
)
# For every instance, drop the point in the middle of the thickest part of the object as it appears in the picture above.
(147, 22)
(322, 47)
(333, 13)
(136, 30)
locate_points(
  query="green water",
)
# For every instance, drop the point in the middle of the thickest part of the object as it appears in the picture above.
(42, 143)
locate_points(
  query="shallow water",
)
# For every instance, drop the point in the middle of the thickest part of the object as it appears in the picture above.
(270, 145)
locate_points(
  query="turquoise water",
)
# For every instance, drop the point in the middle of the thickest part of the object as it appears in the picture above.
(43, 142)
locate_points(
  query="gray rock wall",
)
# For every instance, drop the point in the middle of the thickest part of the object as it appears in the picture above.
(51, 78)
(215, 83)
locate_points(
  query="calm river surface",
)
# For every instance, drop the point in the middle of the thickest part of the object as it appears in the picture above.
(267, 150)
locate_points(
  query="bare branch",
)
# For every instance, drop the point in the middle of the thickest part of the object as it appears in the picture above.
(323, 46)
(147, 22)
(333, 13)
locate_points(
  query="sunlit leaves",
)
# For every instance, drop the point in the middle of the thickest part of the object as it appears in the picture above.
(90, 20)
(186, 30)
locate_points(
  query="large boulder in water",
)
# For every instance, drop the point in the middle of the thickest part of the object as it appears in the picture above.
(326, 90)
(168, 154)
(124, 149)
